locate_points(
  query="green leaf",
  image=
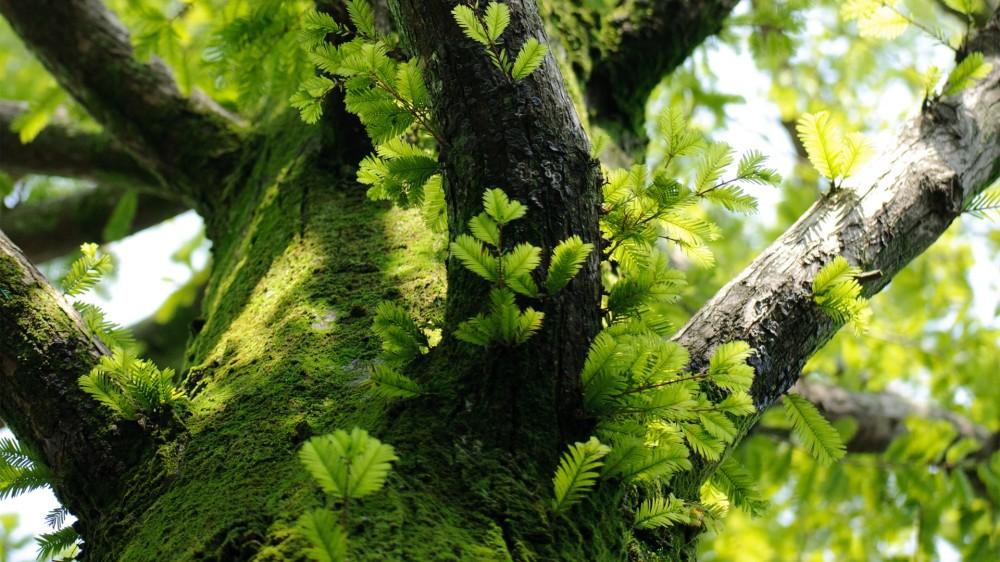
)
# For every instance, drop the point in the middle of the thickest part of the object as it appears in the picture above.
(822, 144)
(390, 383)
(410, 84)
(470, 24)
(714, 161)
(51, 545)
(984, 203)
(86, 272)
(327, 539)
(31, 122)
(316, 26)
(837, 292)
(728, 368)
(738, 485)
(972, 69)
(521, 260)
(810, 427)
(497, 19)
(434, 208)
(485, 229)
(658, 512)
(120, 221)
(501, 208)
(656, 464)
(475, 257)
(857, 150)
(530, 57)
(402, 339)
(113, 335)
(883, 23)
(702, 442)
(577, 473)
(362, 17)
(348, 465)
(680, 140)
(567, 259)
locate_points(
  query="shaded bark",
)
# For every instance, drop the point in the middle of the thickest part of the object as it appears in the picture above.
(60, 150)
(55, 227)
(526, 138)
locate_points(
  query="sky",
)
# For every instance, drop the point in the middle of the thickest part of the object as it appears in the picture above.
(146, 275)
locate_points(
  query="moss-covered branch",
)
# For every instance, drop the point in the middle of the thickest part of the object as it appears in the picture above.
(60, 150)
(54, 227)
(44, 349)
(188, 142)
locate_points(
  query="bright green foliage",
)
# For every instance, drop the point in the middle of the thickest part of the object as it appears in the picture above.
(658, 511)
(401, 339)
(728, 368)
(390, 383)
(87, 271)
(132, 387)
(835, 155)
(348, 465)
(577, 473)
(738, 485)
(487, 29)
(21, 469)
(567, 259)
(363, 17)
(815, 433)
(327, 539)
(505, 323)
(510, 272)
(57, 543)
(111, 334)
(836, 290)
(972, 69)
(984, 204)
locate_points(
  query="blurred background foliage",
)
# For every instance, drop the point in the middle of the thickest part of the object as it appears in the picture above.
(934, 334)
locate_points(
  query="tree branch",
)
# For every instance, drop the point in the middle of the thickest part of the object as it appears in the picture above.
(188, 142)
(63, 151)
(634, 46)
(44, 349)
(55, 227)
(942, 157)
(881, 417)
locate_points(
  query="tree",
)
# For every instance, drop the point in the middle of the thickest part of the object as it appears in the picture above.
(284, 351)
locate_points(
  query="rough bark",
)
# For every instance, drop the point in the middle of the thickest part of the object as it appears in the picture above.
(187, 142)
(526, 138)
(44, 349)
(60, 150)
(55, 227)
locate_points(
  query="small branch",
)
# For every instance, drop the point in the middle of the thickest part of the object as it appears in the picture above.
(54, 227)
(60, 150)
(188, 142)
(44, 349)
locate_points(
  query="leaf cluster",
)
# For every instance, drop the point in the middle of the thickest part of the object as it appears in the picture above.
(402, 341)
(510, 272)
(837, 292)
(132, 387)
(834, 154)
(486, 30)
(347, 466)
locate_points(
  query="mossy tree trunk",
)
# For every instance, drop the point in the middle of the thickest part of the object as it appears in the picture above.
(301, 258)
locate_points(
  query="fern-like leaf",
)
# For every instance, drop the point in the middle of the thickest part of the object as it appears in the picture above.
(972, 69)
(528, 60)
(521, 260)
(577, 473)
(390, 383)
(348, 465)
(362, 16)
(821, 143)
(501, 208)
(657, 512)
(86, 271)
(567, 259)
(738, 485)
(51, 545)
(470, 24)
(497, 18)
(818, 436)
(728, 367)
(986, 202)
(327, 539)
(475, 257)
